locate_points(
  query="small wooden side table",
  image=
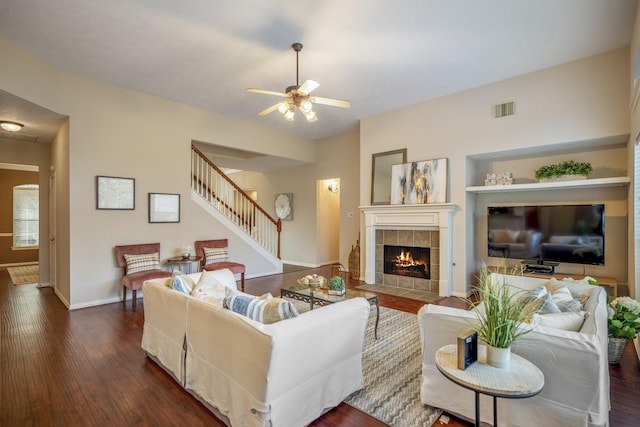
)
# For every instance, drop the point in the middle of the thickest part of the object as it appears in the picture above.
(521, 379)
(185, 264)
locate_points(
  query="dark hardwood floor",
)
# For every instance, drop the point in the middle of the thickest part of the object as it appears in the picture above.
(86, 368)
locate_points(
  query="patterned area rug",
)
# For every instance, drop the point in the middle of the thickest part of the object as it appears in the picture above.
(392, 367)
(24, 274)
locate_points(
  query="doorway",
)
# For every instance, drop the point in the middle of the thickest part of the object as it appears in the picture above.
(328, 221)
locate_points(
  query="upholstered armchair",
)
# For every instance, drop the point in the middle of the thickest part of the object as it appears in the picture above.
(215, 256)
(139, 263)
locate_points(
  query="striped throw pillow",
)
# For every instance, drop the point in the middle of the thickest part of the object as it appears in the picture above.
(212, 255)
(182, 283)
(142, 262)
(262, 310)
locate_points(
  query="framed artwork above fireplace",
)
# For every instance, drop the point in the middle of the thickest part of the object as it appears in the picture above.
(419, 182)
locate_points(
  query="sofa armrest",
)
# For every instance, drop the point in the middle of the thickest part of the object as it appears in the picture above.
(325, 337)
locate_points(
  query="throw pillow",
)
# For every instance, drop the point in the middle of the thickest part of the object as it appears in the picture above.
(212, 255)
(574, 305)
(181, 282)
(559, 292)
(262, 310)
(142, 262)
(539, 300)
(209, 288)
(566, 321)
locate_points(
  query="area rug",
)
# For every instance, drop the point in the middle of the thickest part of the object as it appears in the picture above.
(392, 370)
(24, 274)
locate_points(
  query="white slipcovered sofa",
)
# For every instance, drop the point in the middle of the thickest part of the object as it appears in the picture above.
(283, 374)
(574, 364)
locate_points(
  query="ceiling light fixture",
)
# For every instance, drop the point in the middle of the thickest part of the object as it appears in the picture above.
(11, 126)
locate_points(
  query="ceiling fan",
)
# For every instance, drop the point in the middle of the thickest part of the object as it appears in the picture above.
(299, 96)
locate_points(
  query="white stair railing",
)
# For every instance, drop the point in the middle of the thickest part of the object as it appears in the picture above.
(230, 200)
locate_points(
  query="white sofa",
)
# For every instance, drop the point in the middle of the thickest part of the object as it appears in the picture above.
(574, 364)
(284, 374)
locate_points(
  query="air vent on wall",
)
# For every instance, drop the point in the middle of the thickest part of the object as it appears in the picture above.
(504, 110)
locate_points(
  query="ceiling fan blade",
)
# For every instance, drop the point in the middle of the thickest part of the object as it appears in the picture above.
(328, 101)
(308, 86)
(269, 110)
(267, 92)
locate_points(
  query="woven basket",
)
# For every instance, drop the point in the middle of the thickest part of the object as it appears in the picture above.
(616, 348)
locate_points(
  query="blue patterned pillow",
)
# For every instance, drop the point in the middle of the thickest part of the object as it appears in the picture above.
(262, 310)
(181, 283)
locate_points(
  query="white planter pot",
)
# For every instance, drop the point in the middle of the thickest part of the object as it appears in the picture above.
(498, 357)
(563, 178)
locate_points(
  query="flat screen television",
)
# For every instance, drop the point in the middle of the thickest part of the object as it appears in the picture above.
(557, 233)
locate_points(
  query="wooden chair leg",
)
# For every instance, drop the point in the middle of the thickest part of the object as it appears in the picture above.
(124, 295)
(133, 300)
(242, 281)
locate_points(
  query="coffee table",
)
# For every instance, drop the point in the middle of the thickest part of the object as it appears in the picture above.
(317, 296)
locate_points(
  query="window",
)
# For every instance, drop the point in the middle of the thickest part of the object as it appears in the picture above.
(26, 218)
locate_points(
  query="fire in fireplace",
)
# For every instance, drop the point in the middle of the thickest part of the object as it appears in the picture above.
(408, 261)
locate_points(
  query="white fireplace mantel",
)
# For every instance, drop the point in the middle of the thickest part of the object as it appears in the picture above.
(411, 217)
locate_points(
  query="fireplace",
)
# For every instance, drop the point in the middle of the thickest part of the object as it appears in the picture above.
(428, 226)
(409, 261)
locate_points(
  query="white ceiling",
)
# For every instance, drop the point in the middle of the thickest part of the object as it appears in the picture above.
(379, 54)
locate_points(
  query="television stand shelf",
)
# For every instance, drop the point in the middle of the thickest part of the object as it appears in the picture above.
(556, 185)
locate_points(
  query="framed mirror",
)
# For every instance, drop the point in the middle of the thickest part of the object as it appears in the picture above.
(381, 174)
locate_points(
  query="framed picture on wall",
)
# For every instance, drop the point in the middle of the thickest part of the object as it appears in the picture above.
(164, 207)
(419, 182)
(115, 193)
(283, 206)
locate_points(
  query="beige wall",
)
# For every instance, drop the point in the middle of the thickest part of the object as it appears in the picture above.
(566, 105)
(117, 132)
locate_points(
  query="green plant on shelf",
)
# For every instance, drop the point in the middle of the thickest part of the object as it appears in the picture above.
(568, 167)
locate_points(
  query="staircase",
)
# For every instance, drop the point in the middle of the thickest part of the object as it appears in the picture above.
(219, 191)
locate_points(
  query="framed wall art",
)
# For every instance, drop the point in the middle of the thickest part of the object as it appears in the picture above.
(115, 193)
(419, 182)
(283, 206)
(381, 174)
(164, 207)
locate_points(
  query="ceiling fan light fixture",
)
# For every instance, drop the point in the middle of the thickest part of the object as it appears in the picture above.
(306, 106)
(283, 107)
(310, 116)
(290, 114)
(11, 126)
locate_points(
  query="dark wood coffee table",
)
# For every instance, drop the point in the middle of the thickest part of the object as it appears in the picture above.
(320, 297)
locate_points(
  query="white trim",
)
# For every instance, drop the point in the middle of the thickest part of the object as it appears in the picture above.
(19, 167)
(555, 185)
(25, 248)
(19, 264)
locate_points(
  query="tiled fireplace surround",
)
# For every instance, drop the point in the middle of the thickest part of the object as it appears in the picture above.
(409, 238)
(411, 225)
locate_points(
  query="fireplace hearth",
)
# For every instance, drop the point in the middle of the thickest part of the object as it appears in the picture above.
(408, 261)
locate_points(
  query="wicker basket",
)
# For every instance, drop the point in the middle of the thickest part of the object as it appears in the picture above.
(616, 349)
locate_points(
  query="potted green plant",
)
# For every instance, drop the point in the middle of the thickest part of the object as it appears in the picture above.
(336, 286)
(624, 324)
(500, 321)
(566, 170)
